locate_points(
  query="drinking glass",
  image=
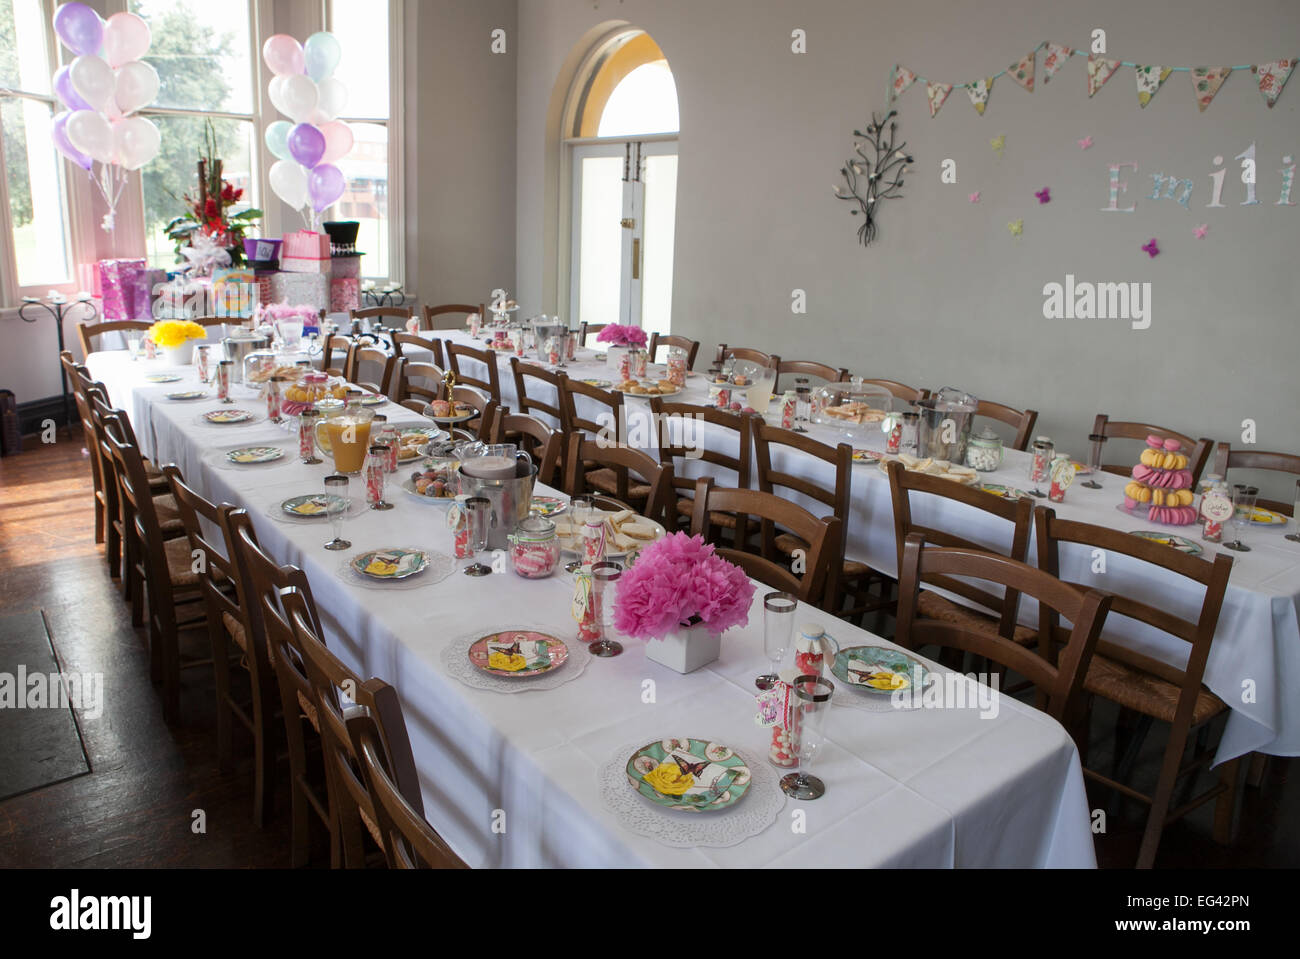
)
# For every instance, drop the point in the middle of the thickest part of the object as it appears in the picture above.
(376, 467)
(478, 513)
(134, 344)
(337, 485)
(1295, 516)
(803, 401)
(579, 509)
(1243, 511)
(1040, 464)
(603, 577)
(1094, 461)
(760, 394)
(778, 630)
(290, 335)
(810, 701)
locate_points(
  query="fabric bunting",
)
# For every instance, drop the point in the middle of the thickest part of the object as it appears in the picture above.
(1149, 80)
(978, 91)
(1272, 78)
(1023, 71)
(937, 92)
(1206, 82)
(1099, 71)
(1055, 58)
(902, 79)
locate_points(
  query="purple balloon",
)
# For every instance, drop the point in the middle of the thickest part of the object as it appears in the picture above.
(59, 134)
(80, 28)
(67, 92)
(324, 186)
(306, 144)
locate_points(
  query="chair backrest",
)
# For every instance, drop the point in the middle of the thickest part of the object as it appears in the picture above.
(629, 466)
(217, 566)
(86, 332)
(336, 357)
(692, 347)
(778, 482)
(690, 422)
(572, 422)
(589, 329)
(457, 352)
(432, 344)
(768, 360)
(464, 309)
(409, 841)
(372, 354)
(482, 426)
(1018, 514)
(809, 368)
(1022, 421)
(908, 394)
(526, 373)
(543, 444)
(414, 396)
(819, 578)
(1050, 532)
(1227, 458)
(1198, 451)
(78, 382)
(399, 314)
(1059, 682)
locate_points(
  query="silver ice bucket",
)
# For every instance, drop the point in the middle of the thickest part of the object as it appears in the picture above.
(510, 498)
(945, 424)
(236, 348)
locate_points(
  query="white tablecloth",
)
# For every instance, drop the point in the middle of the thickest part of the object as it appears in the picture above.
(927, 787)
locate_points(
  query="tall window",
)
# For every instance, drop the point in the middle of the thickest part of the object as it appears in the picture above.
(362, 28)
(33, 224)
(204, 54)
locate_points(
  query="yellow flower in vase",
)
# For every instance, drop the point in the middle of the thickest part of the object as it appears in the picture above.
(173, 333)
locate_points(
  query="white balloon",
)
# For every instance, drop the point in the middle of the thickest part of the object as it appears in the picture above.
(289, 182)
(137, 86)
(90, 133)
(299, 95)
(333, 98)
(93, 80)
(135, 141)
(275, 90)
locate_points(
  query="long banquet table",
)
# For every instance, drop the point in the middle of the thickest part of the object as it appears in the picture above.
(512, 779)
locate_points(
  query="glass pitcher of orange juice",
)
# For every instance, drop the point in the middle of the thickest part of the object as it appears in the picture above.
(345, 438)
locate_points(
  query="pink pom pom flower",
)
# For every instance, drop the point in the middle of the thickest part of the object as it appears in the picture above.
(677, 581)
(620, 334)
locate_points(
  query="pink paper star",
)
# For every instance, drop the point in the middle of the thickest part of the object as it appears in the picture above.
(975, 197)
(1044, 195)
(1200, 231)
(1085, 143)
(1150, 247)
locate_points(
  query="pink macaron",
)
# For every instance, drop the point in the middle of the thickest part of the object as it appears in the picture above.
(1172, 445)
(1155, 441)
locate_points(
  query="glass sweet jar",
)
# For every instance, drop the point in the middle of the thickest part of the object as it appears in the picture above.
(534, 547)
(984, 451)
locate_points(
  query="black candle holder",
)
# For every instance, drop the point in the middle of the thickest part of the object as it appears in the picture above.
(56, 306)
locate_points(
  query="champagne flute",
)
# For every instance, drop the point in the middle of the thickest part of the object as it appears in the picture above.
(809, 703)
(778, 629)
(1243, 512)
(478, 513)
(336, 485)
(603, 577)
(1295, 515)
(1094, 461)
(579, 509)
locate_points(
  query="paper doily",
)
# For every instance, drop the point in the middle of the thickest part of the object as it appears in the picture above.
(253, 419)
(356, 507)
(756, 812)
(217, 458)
(455, 657)
(866, 702)
(440, 567)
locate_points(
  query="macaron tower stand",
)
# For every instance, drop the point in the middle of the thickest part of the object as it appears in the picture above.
(1162, 484)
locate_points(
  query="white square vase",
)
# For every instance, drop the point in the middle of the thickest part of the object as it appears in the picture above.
(613, 357)
(685, 650)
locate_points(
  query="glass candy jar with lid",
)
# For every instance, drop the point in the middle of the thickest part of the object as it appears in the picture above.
(854, 409)
(534, 547)
(984, 451)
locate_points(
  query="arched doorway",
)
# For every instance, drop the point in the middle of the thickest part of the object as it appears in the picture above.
(621, 135)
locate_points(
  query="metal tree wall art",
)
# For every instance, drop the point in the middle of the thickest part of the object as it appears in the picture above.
(872, 179)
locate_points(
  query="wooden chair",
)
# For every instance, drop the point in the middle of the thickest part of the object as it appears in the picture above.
(608, 422)
(768, 360)
(855, 578)
(336, 357)
(738, 425)
(481, 426)
(271, 585)
(464, 309)
(372, 354)
(1001, 620)
(1022, 421)
(403, 341)
(902, 391)
(409, 842)
(692, 347)
(79, 385)
(399, 314)
(415, 397)
(492, 385)
(1227, 458)
(543, 444)
(525, 373)
(808, 368)
(589, 329)
(1198, 451)
(86, 332)
(1149, 687)
(1059, 682)
(768, 565)
(629, 475)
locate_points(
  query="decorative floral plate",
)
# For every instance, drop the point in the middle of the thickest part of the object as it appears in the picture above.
(188, 395)
(1266, 517)
(314, 504)
(518, 653)
(878, 669)
(867, 456)
(599, 384)
(1004, 492)
(162, 378)
(251, 455)
(373, 399)
(390, 564)
(225, 417)
(548, 505)
(1180, 543)
(689, 775)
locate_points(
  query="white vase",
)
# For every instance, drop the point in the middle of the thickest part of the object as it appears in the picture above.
(685, 649)
(182, 355)
(613, 356)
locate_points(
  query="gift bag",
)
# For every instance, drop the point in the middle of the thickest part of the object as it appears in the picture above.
(305, 252)
(233, 291)
(141, 287)
(114, 277)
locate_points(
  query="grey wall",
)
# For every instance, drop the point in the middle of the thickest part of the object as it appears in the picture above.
(947, 296)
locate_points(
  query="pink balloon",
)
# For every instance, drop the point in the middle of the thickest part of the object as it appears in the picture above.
(325, 185)
(283, 54)
(126, 38)
(338, 141)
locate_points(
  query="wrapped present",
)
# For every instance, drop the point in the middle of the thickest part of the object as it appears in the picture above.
(142, 287)
(114, 277)
(311, 289)
(263, 279)
(181, 297)
(346, 267)
(305, 252)
(233, 291)
(345, 294)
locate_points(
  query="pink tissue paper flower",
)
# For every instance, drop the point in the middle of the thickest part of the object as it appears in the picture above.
(620, 334)
(676, 579)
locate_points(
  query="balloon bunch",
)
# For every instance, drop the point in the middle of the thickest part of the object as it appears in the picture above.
(305, 90)
(102, 88)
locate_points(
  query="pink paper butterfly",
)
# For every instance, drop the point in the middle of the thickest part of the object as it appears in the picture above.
(1044, 195)
(1085, 143)
(1151, 248)
(1200, 231)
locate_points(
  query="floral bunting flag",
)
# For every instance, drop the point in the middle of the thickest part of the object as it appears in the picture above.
(902, 79)
(1054, 59)
(978, 91)
(1206, 81)
(937, 92)
(1272, 78)
(1149, 80)
(1022, 71)
(1099, 71)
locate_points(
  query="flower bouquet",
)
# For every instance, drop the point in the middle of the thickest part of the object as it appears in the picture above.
(209, 220)
(621, 334)
(682, 595)
(176, 339)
